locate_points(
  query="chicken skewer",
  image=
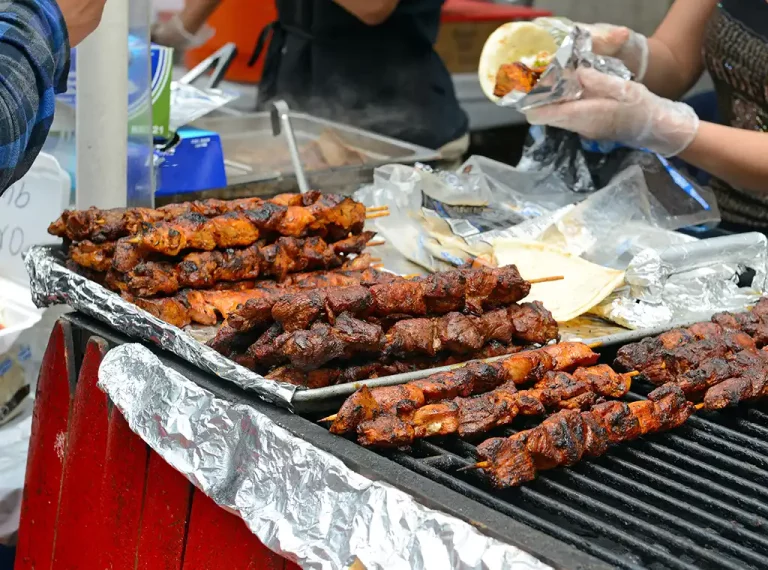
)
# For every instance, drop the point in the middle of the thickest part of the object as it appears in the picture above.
(327, 218)
(208, 307)
(202, 269)
(323, 377)
(474, 378)
(564, 438)
(472, 416)
(466, 290)
(109, 225)
(455, 333)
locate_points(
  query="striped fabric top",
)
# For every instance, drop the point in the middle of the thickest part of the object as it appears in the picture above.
(34, 63)
(736, 55)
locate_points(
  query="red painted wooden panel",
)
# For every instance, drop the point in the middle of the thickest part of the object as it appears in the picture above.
(165, 519)
(219, 539)
(122, 495)
(79, 518)
(47, 448)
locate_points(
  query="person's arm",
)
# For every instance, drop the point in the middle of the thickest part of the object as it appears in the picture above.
(734, 155)
(186, 29)
(675, 59)
(34, 64)
(370, 12)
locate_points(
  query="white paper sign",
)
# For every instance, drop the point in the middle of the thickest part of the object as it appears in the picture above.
(26, 210)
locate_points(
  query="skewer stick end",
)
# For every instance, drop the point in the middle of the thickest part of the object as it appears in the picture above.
(480, 465)
(375, 243)
(134, 240)
(328, 419)
(632, 374)
(699, 406)
(376, 215)
(595, 345)
(377, 209)
(546, 279)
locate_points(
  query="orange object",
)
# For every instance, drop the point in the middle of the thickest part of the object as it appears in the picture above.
(238, 21)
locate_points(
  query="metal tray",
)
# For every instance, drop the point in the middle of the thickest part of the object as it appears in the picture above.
(253, 132)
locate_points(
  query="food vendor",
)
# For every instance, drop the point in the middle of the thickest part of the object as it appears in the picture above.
(367, 63)
(730, 39)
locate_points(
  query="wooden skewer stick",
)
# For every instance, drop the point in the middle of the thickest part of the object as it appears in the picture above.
(377, 209)
(595, 345)
(632, 374)
(375, 259)
(546, 279)
(699, 406)
(481, 465)
(376, 242)
(377, 265)
(411, 276)
(328, 419)
(376, 215)
(135, 239)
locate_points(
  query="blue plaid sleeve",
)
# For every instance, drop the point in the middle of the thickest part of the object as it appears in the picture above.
(34, 64)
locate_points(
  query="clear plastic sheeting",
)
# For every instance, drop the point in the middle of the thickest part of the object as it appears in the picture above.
(559, 82)
(300, 501)
(690, 282)
(189, 103)
(53, 284)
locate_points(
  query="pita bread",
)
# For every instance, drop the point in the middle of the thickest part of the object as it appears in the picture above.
(509, 44)
(584, 285)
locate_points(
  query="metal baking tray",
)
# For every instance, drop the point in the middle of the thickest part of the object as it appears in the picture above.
(252, 133)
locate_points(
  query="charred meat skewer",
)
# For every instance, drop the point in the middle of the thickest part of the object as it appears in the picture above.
(564, 438)
(474, 378)
(455, 333)
(472, 416)
(109, 225)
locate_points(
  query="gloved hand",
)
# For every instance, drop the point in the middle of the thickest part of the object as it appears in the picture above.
(613, 109)
(622, 43)
(172, 33)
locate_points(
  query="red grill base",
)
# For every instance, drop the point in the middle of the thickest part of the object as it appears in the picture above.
(96, 496)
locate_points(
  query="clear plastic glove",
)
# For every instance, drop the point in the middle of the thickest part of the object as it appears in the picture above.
(172, 33)
(622, 43)
(612, 109)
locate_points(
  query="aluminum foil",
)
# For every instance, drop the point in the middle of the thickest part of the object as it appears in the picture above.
(53, 284)
(299, 500)
(690, 281)
(559, 83)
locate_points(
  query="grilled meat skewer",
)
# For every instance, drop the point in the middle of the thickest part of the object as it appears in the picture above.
(324, 377)
(474, 378)
(327, 218)
(564, 438)
(479, 414)
(466, 290)
(454, 333)
(109, 225)
(202, 269)
(208, 307)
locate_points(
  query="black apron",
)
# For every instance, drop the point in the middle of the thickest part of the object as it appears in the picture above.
(387, 78)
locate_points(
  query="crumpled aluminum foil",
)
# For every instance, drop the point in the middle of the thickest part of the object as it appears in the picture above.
(299, 500)
(53, 284)
(559, 83)
(689, 282)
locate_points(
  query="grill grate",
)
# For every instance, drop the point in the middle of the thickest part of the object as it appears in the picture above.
(693, 498)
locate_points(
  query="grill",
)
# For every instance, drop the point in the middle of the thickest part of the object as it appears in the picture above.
(693, 498)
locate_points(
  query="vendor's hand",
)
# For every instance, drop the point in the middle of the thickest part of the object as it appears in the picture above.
(613, 109)
(172, 33)
(622, 43)
(82, 17)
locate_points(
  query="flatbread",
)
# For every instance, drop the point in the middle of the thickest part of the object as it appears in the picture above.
(510, 43)
(584, 285)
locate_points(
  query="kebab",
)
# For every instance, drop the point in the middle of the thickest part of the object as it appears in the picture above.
(564, 438)
(474, 378)
(475, 415)
(331, 376)
(203, 269)
(454, 333)
(206, 306)
(108, 225)
(327, 218)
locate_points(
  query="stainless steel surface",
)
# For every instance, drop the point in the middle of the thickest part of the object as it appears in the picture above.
(280, 116)
(253, 132)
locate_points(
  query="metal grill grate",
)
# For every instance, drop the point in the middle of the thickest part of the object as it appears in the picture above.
(693, 498)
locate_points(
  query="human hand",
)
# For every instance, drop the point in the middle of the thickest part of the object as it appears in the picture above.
(82, 17)
(621, 43)
(173, 33)
(612, 109)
